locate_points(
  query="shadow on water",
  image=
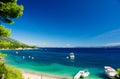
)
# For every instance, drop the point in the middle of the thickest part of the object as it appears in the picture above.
(101, 75)
(105, 77)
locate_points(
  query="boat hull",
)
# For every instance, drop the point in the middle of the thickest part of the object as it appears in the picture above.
(110, 72)
(85, 75)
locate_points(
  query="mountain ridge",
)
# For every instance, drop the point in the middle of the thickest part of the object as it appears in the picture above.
(7, 42)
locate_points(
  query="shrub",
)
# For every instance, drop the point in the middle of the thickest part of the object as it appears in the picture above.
(118, 70)
(13, 73)
(10, 72)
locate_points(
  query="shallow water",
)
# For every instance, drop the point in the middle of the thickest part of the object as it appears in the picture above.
(54, 61)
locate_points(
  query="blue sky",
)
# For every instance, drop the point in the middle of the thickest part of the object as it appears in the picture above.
(68, 23)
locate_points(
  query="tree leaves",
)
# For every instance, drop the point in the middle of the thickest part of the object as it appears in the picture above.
(10, 72)
(4, 32)
(8, 1)
(3, 55)
(9, 9)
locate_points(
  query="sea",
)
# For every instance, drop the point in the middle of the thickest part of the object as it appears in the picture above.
(56, 61)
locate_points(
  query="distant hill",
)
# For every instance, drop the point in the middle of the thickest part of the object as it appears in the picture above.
(9, 43)
(116, 46)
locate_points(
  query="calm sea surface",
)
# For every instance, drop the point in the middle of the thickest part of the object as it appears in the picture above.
(54, 61)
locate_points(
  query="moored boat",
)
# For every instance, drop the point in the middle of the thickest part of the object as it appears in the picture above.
(72, 56)
(82, 74)
(85, 73)
(110, 72)
(16, 52)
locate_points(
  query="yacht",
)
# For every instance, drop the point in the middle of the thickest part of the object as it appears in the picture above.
(72, 56)
(82, 74)
(110, 72)
(16, 52)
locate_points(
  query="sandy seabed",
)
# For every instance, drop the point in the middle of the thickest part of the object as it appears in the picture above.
(32, 75)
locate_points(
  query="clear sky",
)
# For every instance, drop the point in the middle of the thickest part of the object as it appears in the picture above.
(66, 23)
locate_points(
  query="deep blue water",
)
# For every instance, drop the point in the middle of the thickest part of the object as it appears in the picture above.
(84, 58)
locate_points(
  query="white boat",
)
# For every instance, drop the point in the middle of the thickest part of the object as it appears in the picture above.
(82, 74)
(77, 76)
(16, 52)
(72, 56)
(29, 56)
(23, 57)
(67, 57)
(110, 72)
(32, 58)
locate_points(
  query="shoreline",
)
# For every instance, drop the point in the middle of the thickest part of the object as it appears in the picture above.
(32, 74)
(21, 49)
(29, 74)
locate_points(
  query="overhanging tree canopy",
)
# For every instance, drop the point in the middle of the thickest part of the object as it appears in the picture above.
(4, 32)
(9, 9)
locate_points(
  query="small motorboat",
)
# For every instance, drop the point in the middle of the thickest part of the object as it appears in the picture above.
(32, 58)
(82, 74)
(110, 72)
(67, 57)
(23, 57)
(72, 56)
(29, 56)
(16, 52)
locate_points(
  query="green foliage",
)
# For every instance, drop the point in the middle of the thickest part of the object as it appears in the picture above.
(3, 70)
(10, 72)
(4, 32)
(3, 55)
(118, 70)
(9, 9)
(8, 1)
(6, 42)
(13, 73)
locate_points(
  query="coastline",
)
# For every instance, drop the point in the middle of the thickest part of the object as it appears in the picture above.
(62, 71)
(21, 49)
(31, 74)
(28, 74)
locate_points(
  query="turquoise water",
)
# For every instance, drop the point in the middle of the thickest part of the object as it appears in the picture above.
(53, 61)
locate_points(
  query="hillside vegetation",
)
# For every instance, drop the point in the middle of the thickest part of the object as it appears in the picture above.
(9, 43)
(9, 72)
